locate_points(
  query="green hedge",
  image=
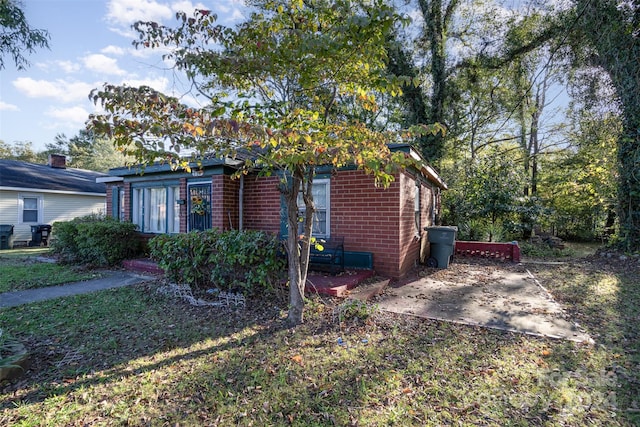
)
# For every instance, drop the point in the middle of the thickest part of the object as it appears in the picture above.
(238, 261)
(94, 240)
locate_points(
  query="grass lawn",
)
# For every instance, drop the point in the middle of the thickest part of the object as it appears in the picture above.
(132, 356)
(19, 270)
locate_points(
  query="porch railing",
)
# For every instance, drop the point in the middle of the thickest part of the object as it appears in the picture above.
(503, 251)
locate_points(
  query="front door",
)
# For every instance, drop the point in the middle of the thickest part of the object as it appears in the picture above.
(199, 206)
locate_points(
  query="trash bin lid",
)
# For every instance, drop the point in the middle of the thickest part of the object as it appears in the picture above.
(442, 228)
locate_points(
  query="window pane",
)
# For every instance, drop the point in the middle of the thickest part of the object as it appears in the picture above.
(30, 216)
(157, 209)
(30, 203)
(320, 223)
(174, 214)
(30, 209)
(136, 208)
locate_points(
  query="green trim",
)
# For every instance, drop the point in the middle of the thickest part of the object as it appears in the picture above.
(358, 260)
(115, 202)
(155, 183)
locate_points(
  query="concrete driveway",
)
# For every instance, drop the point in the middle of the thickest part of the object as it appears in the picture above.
(505, 297)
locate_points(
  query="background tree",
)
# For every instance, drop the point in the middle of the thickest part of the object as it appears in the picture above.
(287, 68)
(85, 151)
(22, 151)
(17, 38)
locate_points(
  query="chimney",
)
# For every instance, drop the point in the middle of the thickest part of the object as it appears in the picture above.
(57, 161)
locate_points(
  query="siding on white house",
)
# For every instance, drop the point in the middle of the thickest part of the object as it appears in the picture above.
(56, 206)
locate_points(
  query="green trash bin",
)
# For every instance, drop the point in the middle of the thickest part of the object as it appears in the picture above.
(6, 231)
(442, 241)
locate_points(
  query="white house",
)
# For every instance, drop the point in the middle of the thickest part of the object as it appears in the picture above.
(33, 194)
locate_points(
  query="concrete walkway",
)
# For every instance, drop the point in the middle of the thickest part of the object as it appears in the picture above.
(114, 279)
(507, 299)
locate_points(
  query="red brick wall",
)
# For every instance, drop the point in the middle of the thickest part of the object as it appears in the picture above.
(409, 236)
(109, 199)
(367, 217)
(224, 201)
(184, 206)
(261, 204)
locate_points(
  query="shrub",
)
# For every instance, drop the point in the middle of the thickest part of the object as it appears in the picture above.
(239, 261)
(95, 240)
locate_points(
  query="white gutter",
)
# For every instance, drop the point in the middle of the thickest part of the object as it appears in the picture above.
(428, 170)
(104, 179)
(42, 190)
(241, 203)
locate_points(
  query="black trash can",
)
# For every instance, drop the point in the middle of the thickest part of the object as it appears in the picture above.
(6, 230)
(40, 235)
(442, 241)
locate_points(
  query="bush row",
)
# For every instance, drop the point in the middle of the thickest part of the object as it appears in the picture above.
(95, 240)
(238, 261)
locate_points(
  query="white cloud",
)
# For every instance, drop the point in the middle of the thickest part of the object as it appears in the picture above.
(72, 116)
(8, 107)
(113, 50)
(62, 90)
(160, 84)
(187, 7)
(102, 64)
(126, 12)
(68, 66)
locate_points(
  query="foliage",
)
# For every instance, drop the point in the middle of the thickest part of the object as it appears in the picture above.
(94, 240)
(22, 151)
(484, 195)
(543, 250)
(579, 184)
(355, 311)
(247, 261)
(85, 151)
(10, 353)
(17, 38)
(277, 85)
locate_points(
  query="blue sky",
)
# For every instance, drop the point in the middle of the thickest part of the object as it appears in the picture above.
(90, 45)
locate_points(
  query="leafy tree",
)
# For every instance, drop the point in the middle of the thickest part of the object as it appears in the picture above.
(16, 36)
(84, 151)
(274, 86)
(609, 30)
(579, 183)
(23, 151)
(484, 196)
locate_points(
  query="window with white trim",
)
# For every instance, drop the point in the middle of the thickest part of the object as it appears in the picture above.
(156, 209)
(30, 209)
(321, 200)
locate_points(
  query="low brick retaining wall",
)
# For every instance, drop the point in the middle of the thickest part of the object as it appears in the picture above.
(502, 251)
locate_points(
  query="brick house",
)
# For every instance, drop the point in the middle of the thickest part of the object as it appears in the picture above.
(382, 228)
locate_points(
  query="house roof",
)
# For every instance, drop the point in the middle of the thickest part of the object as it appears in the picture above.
(19, 175)
(242, 155)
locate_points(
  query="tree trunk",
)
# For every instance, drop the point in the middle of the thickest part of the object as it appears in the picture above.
(296, 277)
(612, 32)
(437, 17)
(298, 248)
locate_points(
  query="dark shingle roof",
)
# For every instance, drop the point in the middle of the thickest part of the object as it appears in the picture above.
(25, 175)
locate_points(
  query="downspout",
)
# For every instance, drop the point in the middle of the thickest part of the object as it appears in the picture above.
(241, 202)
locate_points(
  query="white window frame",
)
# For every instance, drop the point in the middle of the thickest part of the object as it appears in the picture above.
(327, 209)
(40, 208)
(167, 220)
(416, 207)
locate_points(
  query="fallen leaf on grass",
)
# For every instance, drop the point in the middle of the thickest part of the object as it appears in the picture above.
(298, 359)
